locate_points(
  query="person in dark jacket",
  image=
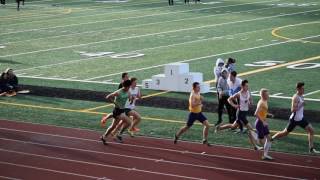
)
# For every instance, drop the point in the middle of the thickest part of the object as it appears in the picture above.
(12, 79)
(4, 87)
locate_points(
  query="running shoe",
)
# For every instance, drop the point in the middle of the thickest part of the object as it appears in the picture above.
(314, 151)
(175, 139)
(266, 157)
(103, 140)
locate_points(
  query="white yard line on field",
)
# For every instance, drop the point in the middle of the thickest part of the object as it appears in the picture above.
(139, 50)
(78, 10)
(188, 60)
(136, 25)
(204, 57)
(135, 17)
(310, 93)
(152, 34)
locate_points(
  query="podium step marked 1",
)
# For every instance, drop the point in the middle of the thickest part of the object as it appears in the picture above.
(176, 78)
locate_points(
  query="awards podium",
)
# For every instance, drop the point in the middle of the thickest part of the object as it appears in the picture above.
(176, 78)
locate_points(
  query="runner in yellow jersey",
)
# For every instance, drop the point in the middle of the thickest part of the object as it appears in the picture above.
(262, 123)
(195, 108)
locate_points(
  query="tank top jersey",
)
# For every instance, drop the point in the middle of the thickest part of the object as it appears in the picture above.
(262, 114)
(298, 115)
(134, 93)
(196, 109)
(121, 99)
(244, 101)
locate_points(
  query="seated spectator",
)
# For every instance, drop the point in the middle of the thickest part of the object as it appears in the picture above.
(8, 83)
(12, 79)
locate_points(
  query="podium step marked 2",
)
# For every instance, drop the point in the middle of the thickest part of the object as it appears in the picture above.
(176, 78)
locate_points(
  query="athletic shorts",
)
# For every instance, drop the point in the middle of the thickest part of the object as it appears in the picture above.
(195, 116)
(292, 124)
(262, 130)
(242, 117)
(117, 111)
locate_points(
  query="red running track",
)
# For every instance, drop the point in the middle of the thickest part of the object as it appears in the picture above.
(34, 151)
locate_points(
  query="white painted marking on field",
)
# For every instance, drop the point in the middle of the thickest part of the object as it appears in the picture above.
(254, 92)
(10, 178)
(95, 54)
(75, 77)
(73, 80)
(152, 34)
(86, 162)
(259, 40)
(134, 157)
(2, 47)
(156, 148)
(274, 40)
(44, 169)
(91, 8)
(157, 47)
(313, 92)
(139, 25)
(244, 39)
(213, 2)
(135, 17)
(210, 56)
(277, 94)
(146, 137)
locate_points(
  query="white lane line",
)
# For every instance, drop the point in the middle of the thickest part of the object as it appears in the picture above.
(135, 17)
(165, 149)
(92, 163)
(69, 80)
(139, 50)
(152, 34)
(310, 93)
(146, 137)
(205, 57)
(10, 178)
(48, 170)
(141, 158)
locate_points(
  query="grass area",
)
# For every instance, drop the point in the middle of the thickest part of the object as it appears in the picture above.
(46, 41)
(157, 122)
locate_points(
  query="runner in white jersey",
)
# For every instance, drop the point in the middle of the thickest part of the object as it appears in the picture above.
(131, 106)
(297, 118)
(244, 99)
